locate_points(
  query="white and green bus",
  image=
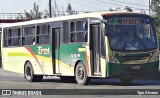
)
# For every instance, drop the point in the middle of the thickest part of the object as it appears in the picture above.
(82, 47)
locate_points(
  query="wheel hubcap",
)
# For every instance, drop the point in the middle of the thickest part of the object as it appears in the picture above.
(80, 73)
(28, 73)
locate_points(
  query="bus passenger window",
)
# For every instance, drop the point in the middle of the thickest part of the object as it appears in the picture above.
(42, 34)
(9, 42)
(78, 37)
(33, 40)
(14, 37)
(72, 26)
(28, 34)
(19, 41)
(28, 40)
(73, 39)
(9, 33)
(65, 32)
(78, 34)
(23, 40)
(5, 37)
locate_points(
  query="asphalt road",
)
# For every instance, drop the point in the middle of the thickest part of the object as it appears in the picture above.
(10, 80)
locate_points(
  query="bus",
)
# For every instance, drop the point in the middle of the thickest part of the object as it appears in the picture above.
(82, 47)
(0, 47)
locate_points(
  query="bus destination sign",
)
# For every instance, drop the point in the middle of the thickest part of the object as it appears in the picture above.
(123, 21)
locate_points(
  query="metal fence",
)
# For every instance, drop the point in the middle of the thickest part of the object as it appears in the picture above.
(12, 16)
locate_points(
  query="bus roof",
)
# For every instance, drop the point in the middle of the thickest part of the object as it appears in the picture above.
(62, 18)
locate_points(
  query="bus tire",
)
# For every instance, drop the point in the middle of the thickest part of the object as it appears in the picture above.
(126, 80)
(29, 74)
(81, 74)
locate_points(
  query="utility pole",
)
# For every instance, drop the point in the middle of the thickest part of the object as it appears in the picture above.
(50, 13)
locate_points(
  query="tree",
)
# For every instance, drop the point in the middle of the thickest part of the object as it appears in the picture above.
(55, 10)
(155, 7)
(46, 13)
(70, 11)
(34, 13)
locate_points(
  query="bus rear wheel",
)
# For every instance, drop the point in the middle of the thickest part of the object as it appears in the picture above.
(29, 74)
(81, 74)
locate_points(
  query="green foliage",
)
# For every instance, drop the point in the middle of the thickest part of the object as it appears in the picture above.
(155, 6)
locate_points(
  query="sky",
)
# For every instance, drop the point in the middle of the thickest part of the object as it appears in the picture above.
(18, 6)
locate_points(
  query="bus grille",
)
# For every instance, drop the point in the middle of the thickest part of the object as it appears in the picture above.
(136, 57)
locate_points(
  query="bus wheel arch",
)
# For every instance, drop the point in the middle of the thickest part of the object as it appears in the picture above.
(29, 73)
(80, 73)
(76, 65)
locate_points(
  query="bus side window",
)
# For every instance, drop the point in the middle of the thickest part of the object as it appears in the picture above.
(33, 40)
(14, 37)
(23, 40)
(73, 32)
(42, 34)
(73, 37)
(19, 36)
(5, 37)
(66, 32)
(78, 31)
(9, 41)
(28, 34)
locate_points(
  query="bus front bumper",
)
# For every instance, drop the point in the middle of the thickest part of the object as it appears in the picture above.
(132, 70)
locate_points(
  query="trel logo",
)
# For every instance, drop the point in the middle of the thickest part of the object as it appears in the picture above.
(43, 50)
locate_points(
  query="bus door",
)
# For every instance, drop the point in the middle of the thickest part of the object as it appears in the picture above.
(95, 48)
(56, 50)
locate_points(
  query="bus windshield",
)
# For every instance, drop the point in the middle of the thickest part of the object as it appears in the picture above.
(131, 34)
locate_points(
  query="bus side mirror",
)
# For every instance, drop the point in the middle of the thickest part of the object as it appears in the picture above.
(104, 30)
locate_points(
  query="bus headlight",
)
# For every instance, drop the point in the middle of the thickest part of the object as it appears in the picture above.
(113, 60)
(155, 57)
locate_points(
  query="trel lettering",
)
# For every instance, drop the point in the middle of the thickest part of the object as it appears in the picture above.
(43, 50)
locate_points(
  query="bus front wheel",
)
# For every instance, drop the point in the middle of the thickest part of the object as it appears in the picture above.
(29, 74)
(81, 74)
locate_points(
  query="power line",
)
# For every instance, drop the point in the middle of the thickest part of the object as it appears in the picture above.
(108, 3)
(129, 3)
(117, 4)
(84, 5)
